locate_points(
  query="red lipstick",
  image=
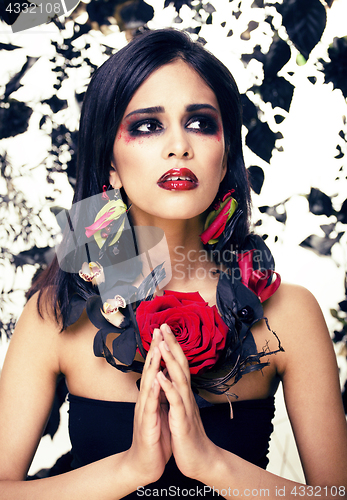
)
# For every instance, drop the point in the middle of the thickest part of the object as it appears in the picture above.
(178, 179)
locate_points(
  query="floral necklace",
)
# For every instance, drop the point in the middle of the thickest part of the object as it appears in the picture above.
(214, 339)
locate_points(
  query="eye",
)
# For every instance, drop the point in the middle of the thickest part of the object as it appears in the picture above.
(145, 127)
(203, 124)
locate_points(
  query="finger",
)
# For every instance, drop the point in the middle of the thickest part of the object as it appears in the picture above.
(150, 413)
(172, 395)
(147, 380)
(175, 348)
(156, 338)
(152, 367)
(176, 372)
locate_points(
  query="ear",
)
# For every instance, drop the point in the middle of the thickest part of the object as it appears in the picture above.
(114, 178)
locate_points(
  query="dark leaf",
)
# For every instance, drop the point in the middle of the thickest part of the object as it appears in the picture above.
(43, 121)
(56, 104)
(279, 119)
(344, 397)
(321, 245)
(276, 90)
(34, 256)
(343, 305)
(269, 20)
(195, 31)
(178, 4)
(14, 83)
(276, 58)
(340, 154)
(257, 54)
(335, 70)
(246, 35)
(273, 211)
(209, 19)
(320, 203)
(249, 112)
(256, 178)
(133, 14)
(14, 120)
(261, 140)
(328, 228)
(209, 8)
(304, 21)
(342, 215)
(8, 46)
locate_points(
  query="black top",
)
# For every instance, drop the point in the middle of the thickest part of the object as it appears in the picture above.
(102, 428)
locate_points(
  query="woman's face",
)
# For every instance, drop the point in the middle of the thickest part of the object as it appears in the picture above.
(169, 153)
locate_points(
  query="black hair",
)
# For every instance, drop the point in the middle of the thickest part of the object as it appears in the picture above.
(108, 95)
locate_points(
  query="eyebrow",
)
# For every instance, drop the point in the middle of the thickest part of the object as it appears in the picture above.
(161, 109)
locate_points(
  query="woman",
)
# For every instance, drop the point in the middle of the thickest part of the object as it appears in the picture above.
(161, 122)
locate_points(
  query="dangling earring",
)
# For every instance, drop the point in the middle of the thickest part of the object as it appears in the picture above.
(109, 222)
(218, 219)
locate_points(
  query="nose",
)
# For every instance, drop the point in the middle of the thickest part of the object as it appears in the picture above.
(177, 144)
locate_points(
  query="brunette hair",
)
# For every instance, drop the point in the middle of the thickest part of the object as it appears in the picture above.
(108, 95)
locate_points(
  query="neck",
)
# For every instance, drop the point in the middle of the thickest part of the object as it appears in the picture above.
(177, 243)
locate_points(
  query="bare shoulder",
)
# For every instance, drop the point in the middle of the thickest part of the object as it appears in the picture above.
(294, 307)
(294, 313)
(290, 297)
(37, 330)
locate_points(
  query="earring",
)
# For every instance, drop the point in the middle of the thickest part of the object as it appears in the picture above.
(109, 222)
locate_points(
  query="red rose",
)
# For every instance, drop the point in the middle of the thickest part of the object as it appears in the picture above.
(198, 328)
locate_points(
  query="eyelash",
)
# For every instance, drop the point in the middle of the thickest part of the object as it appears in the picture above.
(211, 126)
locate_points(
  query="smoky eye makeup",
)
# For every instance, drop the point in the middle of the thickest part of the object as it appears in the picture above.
(203, 124)
(146, 126)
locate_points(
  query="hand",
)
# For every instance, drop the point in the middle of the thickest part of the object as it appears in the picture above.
(192, 449)
(151, 448)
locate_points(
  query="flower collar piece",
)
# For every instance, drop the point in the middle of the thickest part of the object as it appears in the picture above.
(261, 282)
(218, 218)
(92, 273)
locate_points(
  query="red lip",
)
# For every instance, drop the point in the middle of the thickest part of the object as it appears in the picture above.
(178, 179)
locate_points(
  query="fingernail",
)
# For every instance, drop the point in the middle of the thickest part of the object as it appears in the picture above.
(167, 328)
(166, 346)
(155, 334)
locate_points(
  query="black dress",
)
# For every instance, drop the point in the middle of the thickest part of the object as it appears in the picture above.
(102, 428)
